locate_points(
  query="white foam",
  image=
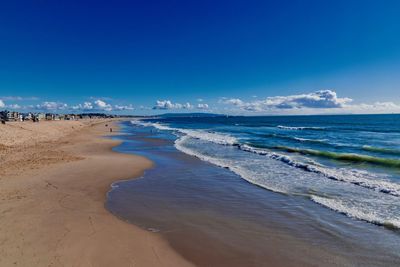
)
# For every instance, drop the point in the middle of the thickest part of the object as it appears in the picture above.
(152, 124)
(218, 138)
(224, 164)
(356, 177)
(299, 128)
(309, 140)
(366, 214)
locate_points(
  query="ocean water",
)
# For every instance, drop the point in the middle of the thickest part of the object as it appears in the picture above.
(218, 203)
(349, 164)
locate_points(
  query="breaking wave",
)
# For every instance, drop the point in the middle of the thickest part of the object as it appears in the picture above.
(367, 215)
(218, 138)
(298, 139)
(356, 177)
(349, 157)
(179, 144)
(300, 128)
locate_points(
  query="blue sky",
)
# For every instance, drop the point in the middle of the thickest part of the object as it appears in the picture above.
(145, 57)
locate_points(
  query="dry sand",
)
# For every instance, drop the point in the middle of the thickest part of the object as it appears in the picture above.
(53, 181)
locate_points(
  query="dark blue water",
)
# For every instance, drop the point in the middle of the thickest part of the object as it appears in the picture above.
(349, 164)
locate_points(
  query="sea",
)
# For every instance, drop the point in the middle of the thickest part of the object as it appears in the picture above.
(331, 183)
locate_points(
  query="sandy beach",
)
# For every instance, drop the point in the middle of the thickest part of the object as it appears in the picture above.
(54, 178)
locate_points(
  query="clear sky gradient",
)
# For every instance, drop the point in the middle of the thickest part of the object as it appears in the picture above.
(60, 54)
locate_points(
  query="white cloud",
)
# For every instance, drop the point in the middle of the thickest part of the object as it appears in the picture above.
(317, 100)
(164, 104)
(52, 106)
(96, 106)
(202, 106)
(187, 106)
(85, 106)
(233, 101)
(167, 104)
(101, 105)
(128, 107)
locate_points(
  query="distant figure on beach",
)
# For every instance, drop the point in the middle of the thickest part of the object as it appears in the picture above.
(110, 130)
(3, 122)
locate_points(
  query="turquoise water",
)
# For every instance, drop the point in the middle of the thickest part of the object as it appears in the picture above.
(349, 164)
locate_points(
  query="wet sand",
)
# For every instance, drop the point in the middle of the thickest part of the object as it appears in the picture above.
(53, 186)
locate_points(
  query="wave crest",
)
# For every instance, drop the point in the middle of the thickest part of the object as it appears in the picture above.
(356, 177)
(300, 128)
(357, 213)
(218, 138)
(349, 157)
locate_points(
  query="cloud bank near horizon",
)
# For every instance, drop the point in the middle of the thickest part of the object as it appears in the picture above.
(318, 102)
(53, 106)
(167, 104)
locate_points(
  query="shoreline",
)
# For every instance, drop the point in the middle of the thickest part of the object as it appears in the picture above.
(53, 212)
